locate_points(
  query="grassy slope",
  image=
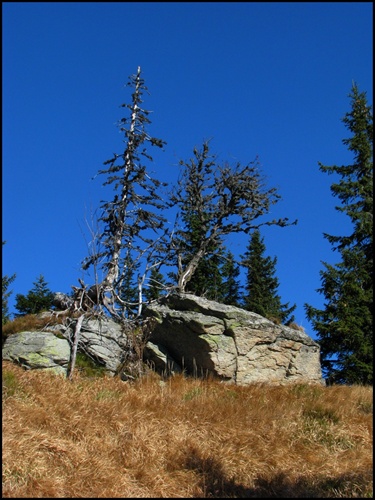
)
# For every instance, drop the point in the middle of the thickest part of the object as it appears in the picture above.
(182, 438)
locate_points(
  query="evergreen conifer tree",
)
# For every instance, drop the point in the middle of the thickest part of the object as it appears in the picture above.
(6, 281)
(39, 298)
(344, 326)
(262, 284)
(231, 289)
(128, 289)
(156, 284)
(220, 200)
(206, 280)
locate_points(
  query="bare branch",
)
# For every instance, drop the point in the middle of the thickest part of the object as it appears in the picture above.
(220, 199)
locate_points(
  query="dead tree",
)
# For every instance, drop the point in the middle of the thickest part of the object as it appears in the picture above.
(223, 200)
(133, 229)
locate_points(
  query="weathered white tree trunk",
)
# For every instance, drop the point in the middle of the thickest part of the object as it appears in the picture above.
(112, 275)
(185, 275)
(73, 356)
(122, 223)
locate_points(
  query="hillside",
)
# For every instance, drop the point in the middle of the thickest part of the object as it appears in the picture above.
(182, 437)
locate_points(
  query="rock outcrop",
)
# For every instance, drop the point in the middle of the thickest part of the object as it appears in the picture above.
(207, 338)
(191, 334)
(39, 349)
(104, 341)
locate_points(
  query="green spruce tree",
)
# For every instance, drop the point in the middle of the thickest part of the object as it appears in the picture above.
(128, 289)
(156, 284)
(344, 326)
(220, 200)
(262, 284)
(206, 280)
(6, 282)
(231, 288)
(39, 298)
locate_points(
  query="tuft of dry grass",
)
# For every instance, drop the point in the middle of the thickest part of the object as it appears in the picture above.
(296, 326)
(29, 322)
(182, 437)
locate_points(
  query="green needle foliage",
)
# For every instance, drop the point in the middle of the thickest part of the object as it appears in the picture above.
(6, 282)
(344, 325)
(219, 199)
(206, 280)
(38, 299)
(156, 284)
(231, 288)
(262, 284)
(128, 291)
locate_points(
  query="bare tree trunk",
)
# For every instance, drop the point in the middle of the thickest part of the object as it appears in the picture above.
(140, 285)
(124, 221)
(113, 267)
(185, 276)
(73, 355)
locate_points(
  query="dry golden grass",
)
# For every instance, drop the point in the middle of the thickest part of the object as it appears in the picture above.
(29, 322)
(182, 438)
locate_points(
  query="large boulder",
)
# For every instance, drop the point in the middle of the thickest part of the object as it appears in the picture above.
(205, 337)
(101, 339)
(105, 341)
(191, 333)
(38, 349)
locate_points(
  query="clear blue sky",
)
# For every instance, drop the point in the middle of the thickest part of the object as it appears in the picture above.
(261, 79)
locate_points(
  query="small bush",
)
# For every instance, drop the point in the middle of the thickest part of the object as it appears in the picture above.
(310, 391)
(87, 367)
(107, 394)
(366, 407)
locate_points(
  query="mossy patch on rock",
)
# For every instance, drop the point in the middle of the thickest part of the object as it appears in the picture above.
(38, 350)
